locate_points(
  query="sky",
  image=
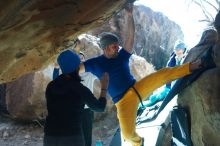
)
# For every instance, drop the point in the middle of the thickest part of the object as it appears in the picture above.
(185, 15)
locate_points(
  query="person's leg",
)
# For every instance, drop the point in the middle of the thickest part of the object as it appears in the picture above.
(76, 140)
(87, 126)
(155, 80)
(128, 105)
(50, 141)
(3, 107)
(126, 112)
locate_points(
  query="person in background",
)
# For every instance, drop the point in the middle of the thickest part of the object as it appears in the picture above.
(66, 97)
(3, 107)
(175, 59)
(88, 80)
(177, 56)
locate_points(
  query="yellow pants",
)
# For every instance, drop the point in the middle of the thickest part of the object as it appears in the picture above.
(128, 105)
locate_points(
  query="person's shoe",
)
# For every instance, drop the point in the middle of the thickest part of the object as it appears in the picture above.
(207, 61)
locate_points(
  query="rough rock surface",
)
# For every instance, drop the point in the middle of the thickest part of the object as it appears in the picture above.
(216, 50)
(202, 100)
(32, 32)
(202, 97)
(155, 34)
(25, 97)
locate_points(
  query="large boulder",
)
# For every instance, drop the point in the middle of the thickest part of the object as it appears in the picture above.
(202, 100)
(202, 97)
(140, 67)
(89, 46)
(25, 97)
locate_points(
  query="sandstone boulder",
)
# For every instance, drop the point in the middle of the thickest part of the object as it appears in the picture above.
(32, 32)
(25, 97)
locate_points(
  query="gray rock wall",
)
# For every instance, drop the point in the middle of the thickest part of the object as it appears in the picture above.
(155, 34)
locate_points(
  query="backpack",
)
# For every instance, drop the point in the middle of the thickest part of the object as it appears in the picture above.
(180, 127)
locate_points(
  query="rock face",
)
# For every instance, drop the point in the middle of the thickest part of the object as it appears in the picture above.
(32, 32)
(140, 67)
(203, 102)
(202, 97)
(155, 34)
(25, 97)
(89, 46)
(216, 50)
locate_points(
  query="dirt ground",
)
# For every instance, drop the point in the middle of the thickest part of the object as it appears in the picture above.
(14, 133)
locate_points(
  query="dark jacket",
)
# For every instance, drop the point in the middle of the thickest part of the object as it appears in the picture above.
(171, 63)
(172, 60)
(66, 98)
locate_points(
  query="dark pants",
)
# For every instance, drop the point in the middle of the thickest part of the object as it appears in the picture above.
(88, 116)
(2, 98)
(64, 141)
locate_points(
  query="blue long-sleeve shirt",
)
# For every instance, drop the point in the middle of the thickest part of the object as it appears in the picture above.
(120, 77)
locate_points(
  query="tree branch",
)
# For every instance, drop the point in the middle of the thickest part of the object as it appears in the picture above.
(207, 15)
(214, 7)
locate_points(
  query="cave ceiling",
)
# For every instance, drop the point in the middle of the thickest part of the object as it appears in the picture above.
(33, 32)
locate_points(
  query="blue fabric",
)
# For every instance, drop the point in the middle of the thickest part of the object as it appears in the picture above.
(171, 63)
(68, 61)
(157, 96)
(120, 78)
(168, 85)
(172, 60)
(55, 73)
